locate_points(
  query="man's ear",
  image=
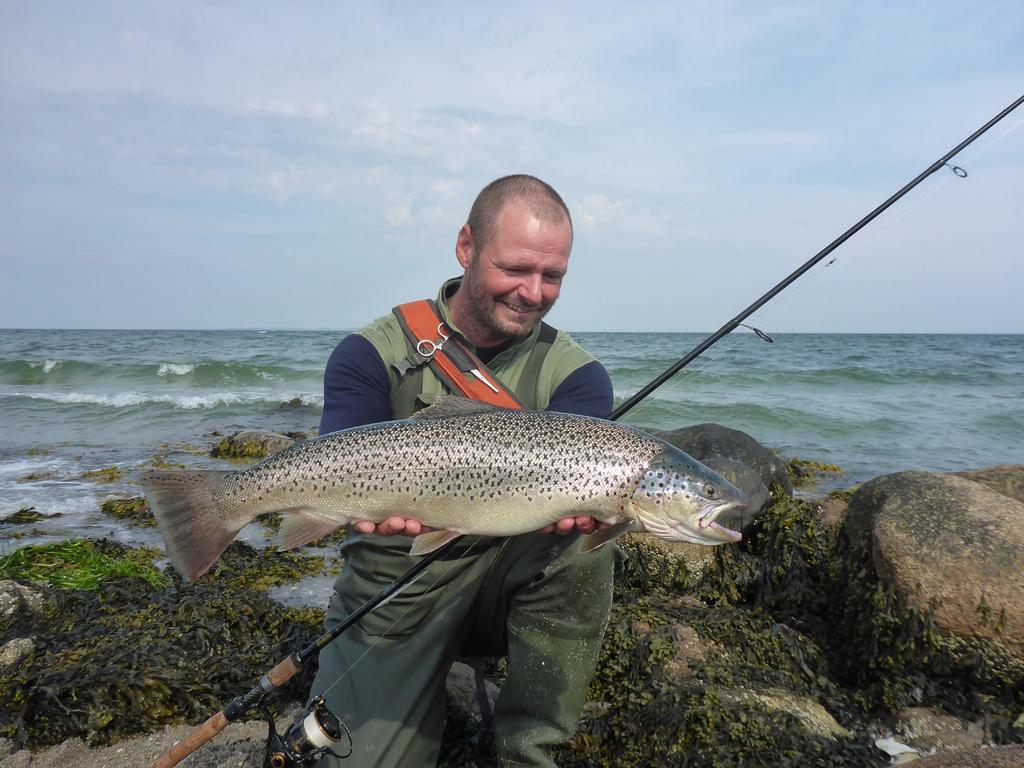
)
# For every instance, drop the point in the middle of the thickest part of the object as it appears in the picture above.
(464, 248)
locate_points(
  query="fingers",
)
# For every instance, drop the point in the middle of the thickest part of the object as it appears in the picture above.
(583, 524)
(394, 525)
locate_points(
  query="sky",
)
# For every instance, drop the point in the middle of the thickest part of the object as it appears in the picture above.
(308, 165)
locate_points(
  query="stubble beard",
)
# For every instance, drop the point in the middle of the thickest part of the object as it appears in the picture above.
(484, 310)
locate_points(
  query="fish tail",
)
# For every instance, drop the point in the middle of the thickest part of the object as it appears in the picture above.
(185, 512)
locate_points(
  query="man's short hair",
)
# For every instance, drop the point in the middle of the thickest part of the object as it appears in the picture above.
(544, 203)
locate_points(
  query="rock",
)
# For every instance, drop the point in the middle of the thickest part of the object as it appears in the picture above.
(658, 564)
(23, 516)
(14, 652)
(899, 752)
(814, 717)
(705, 441)
(461, 689)
(930, 731)
(831, 511)
(15, 597)
(747, 480)
(251, 444)
(952, 544)
(690, 648)
(1010, 756)
(1007, 479)
(134, 510)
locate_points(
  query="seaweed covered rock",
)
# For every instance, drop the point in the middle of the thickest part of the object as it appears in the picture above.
(251, 444)
(128, 658)
(24, 516)
(652, 564)
(16, 597)
(921, 592)
(706, 441)
(134, 510)
(679, 683)
(1007, 479)
(951, 546)
(929, 730)
(14, 652)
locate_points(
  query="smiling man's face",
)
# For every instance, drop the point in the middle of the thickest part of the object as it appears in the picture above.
(514, 279)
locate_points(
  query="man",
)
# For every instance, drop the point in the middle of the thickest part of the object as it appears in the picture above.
(536, 598)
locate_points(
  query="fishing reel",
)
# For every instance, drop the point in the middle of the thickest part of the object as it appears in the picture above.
(307, 739)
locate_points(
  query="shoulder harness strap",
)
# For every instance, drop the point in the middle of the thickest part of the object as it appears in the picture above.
(530, 377)
(433, 343)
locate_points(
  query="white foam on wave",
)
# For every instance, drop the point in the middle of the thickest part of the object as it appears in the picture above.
(69, 506)
(46, 365)
(175, 369)
(188, 402)
(21, 467)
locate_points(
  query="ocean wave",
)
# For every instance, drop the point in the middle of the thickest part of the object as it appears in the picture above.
(175, 369)
(200, 374)
(46, 365)
(187, 402)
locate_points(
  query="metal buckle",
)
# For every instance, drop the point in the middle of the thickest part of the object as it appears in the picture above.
(426, 348)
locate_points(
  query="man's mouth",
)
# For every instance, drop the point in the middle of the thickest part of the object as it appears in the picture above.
(519, 310)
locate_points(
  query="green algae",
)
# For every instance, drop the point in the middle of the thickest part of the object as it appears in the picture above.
(159, 461)
(129, 659)
(105, 475)
(134, 510)
(78, 564)
(241, 566)
(23, 516)
(842, 494)
(665, 692)
(35, 477)
(239, 450)
(803, 473)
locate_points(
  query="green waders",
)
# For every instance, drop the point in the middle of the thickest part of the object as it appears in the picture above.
(536, 598)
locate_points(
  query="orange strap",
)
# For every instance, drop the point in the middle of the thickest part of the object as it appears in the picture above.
(452, 361)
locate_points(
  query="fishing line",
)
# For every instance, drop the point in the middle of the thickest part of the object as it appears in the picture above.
(678, 386)
(401, 616)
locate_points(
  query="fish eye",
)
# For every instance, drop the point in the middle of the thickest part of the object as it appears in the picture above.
(710, 491)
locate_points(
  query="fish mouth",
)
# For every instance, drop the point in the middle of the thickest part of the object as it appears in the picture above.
(708, 520)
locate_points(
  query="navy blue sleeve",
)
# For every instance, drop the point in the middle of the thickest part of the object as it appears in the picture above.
(357, 389)
(587, 391)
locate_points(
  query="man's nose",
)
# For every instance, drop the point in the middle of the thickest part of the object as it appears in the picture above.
(529, 289)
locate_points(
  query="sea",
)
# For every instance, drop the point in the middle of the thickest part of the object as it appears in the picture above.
(76, 401)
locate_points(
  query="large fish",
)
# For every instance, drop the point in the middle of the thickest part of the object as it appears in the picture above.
(460, 467)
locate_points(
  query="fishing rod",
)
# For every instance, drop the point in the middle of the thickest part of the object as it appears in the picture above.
(317, 729)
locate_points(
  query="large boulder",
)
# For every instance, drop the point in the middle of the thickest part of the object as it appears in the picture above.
(707, 441)
(948, 546)
(1007, 479)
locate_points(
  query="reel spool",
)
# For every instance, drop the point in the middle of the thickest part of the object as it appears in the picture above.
(307, 739)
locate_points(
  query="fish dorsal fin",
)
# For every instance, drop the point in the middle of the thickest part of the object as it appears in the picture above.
(453, 405)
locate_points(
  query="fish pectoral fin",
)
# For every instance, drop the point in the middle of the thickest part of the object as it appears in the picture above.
(592, 541)
(426, 543)
(301, 526)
